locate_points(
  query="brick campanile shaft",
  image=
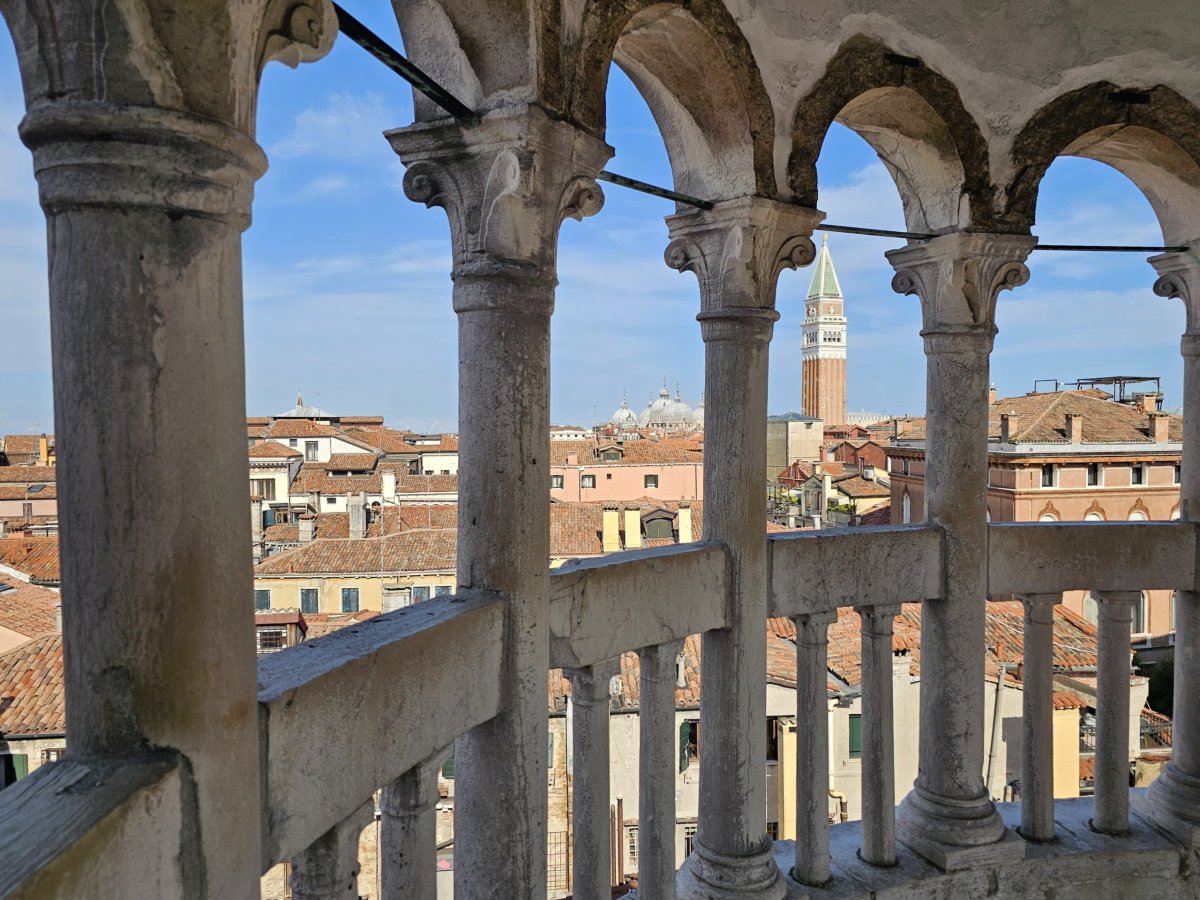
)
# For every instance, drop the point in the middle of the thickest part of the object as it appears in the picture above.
(824, 351)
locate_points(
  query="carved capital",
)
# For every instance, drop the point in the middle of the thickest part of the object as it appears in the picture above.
(506, 183)
(958, 277)
(736, 252)
(1179, 278)
(295, 33)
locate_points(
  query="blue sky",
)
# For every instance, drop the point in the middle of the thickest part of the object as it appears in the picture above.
(348, 291)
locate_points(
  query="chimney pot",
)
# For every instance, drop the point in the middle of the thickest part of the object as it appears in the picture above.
(992, 394)
(610, 531)
(1008, 425)
(308, 528)
(633, 528)
(1074, 428)
(1160, 427)
(357, 504)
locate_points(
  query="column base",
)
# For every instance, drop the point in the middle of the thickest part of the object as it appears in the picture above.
(707, 875)
(955, 834)
(1171, 805)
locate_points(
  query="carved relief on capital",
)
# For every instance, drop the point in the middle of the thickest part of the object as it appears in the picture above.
(958, 277)
(505, 189)
(295, 33)
(1179, 279)
(738, 250)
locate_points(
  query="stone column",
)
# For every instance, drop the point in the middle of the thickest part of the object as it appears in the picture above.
(591, 851)
(948, 817)
(142, 146)
(1037, 760)
(812, 748)
(736, 251)
(506, 184)
(328, 869)
(408, 834)
(1111, 806)
(658, 757)
(878, 735)
(1172, 802)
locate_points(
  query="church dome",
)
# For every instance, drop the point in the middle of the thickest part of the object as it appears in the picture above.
(624, 417)
(698, 415)
(678, 413)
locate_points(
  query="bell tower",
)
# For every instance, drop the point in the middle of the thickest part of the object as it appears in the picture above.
(824, 355)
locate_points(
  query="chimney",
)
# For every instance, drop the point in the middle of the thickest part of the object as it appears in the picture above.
(572, 459)
(826, 492)
(1075, 428)
(633, 528)
(685, 523)
(1008, 424)
(358, 516)
(610, 531)
(256, 521)
(1147, 403)
(44, 450)
(58, 617)
(389, 485)
(992, 392)
(868, 472)
(1160, 427)
(308, 528)
(1002, 650)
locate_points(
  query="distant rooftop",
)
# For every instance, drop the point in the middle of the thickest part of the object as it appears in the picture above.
(301, 411)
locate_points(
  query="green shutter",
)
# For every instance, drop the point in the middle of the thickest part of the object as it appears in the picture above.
(448, 768)
(855, 736)
(12, 767)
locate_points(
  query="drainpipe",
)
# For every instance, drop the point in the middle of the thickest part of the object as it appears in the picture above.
(997, 720)
(843, 804)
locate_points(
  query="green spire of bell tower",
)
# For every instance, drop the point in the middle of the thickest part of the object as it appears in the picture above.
(824, 280)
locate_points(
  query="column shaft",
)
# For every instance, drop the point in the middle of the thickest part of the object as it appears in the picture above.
(592, 846)
(328, 869)
(1111, 812)
(878, 740)
(812, 748)
(1037, 760)
(658, 754)
(408, 835)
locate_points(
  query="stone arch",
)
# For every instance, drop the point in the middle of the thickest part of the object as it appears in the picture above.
(694, 67)
(1096, 512)
(1175, 513)
(913, 117)
(1151, 136)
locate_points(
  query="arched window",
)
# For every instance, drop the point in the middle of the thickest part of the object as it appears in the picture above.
(1174, 514)
(1048, 517)
(907, 509)
(1093, 517)
(1137, 516)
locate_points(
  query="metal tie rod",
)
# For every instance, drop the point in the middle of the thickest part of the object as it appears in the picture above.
(394, 60)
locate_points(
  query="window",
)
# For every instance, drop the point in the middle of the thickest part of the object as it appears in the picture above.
(1095, 475)
(1137, 473)
(587, 481)
(689, 832)
(54, 755)
(309, 600)
(13, 766)
(310, 451)
(442, 590)
(420, 594)
(773, 830)
(631, 847)
(556, 482)
(855, 736)
(773, 740)
(904, 466)
(396, 598)
(1049, 475)
(1175, 477)
(349, 600)
(448, 768)
(689, 744)
(659, 529)
(611, 456)
(271, 639)
(329, 501)
(27, 511)
(650, 481)
(291, 442)
(1141, 615)
(262, 598)
(263, 487)
(906, 506)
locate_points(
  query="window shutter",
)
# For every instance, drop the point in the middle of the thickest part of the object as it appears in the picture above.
(684, 732)
(448, 768)
(855, 736)
(550, 750)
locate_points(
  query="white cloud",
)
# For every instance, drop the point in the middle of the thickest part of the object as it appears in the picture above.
(345, 126)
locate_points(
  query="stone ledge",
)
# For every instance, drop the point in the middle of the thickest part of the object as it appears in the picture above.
(1079, 864)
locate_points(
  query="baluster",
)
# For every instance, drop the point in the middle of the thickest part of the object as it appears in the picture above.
(1037, 763)
(658, 752)
(812, 748)
(328, 869)
(878, 746)
(592, 849)
(1111, 811)
(408, 834)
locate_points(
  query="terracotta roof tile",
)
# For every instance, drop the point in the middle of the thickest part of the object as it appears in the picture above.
(1068, 700)
(28, 474)
(321, 624)
(27, 609)
(880, 515)
(856, 487)
(299, 428)
(418, 550)
(273, 450)
(351, 462)
(31, 688)
(22, 492)
(35, 556)
(24, 449)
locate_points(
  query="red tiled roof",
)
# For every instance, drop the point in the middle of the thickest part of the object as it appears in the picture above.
(273, 450)
(856, 487)
(1087, 768)
(648, 451)
(27, 609)
(20, 492)
(418, 550)
(31, 689)
(384, 439)
(35, 556)
(299, 428)
(321, 624)
(1068, 700)
(407, 517)
(28, 474)
(576, 529)
(880, 515)
(351, 462)
(24, 449)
